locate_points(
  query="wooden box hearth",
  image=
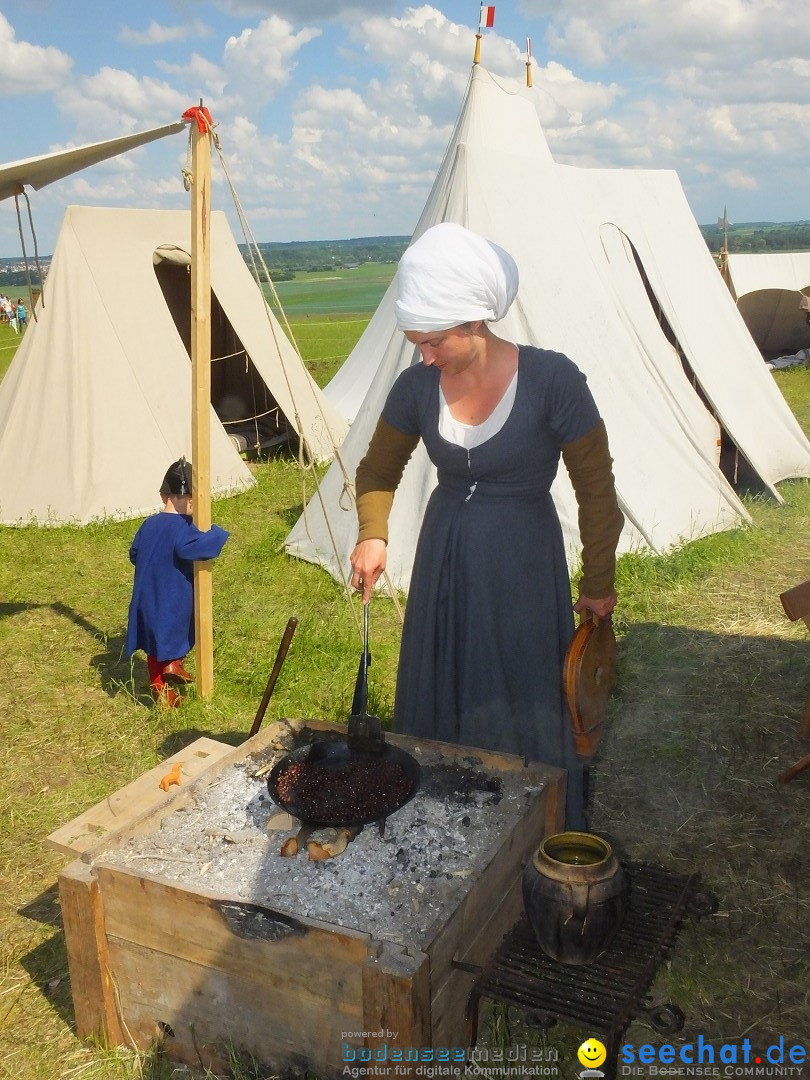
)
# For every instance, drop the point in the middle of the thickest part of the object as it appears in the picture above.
(207, 973)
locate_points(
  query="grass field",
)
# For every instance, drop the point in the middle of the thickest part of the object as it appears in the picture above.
(712, 680)
(9, 342)
(328, 312)
(340, 292)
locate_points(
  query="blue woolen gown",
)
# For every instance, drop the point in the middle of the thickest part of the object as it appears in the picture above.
(161, 612)
(489, 613)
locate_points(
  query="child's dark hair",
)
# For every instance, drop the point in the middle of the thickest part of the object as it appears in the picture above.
(177, 480)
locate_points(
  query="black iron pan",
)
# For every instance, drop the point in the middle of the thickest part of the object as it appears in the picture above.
(351, 781)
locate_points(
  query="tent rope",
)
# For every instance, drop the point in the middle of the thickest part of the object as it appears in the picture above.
(256, 416)
(228, 356)
(306, 460)
(25, 255)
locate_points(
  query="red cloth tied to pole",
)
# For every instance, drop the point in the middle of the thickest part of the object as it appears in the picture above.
(199, 114)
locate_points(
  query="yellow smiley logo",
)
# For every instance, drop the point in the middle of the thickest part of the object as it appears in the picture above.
(591, 1054)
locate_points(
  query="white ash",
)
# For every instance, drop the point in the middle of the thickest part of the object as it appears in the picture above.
(395, 886)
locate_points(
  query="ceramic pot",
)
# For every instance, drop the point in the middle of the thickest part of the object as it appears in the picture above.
(574, 893)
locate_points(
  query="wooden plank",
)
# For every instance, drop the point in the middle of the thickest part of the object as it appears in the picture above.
(448, 1007)
(487, 913)
(116, 813)
(204, 1011)
(212, 930)
(88, 959)
(147, 817)
(396, 1008)
(211, 967)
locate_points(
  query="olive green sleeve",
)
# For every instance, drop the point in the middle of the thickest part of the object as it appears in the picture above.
(378, 475)
(589, 465)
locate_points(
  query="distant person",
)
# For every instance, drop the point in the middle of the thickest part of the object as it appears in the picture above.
(22, 316)
(11, 315)
(161, 612)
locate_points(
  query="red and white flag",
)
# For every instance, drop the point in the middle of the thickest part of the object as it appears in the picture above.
(487, 16)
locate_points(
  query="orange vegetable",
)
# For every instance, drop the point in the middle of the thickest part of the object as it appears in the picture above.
(290, 847)
(171, 777)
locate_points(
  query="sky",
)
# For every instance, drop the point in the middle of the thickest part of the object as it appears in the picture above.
(333, 116)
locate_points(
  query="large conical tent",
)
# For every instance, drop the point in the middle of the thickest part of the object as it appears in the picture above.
(97, 402)
(772, 290)
(615, 273)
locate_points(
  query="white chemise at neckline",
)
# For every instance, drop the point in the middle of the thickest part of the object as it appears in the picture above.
(470, 435)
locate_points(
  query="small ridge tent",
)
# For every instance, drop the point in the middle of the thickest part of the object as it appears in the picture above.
(97, 401)
(772, 291)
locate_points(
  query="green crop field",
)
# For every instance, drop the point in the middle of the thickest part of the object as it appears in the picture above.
(342, 292)
(327, 312)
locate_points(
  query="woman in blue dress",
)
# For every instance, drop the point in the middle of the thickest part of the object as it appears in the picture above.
(489, 613)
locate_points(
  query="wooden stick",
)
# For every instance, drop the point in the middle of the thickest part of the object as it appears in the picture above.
(201, 396)
(271, 682)
(794, 770)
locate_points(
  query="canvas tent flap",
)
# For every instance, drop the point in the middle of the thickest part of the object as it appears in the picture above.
(97, 401)
(38, 171)
(610, 266)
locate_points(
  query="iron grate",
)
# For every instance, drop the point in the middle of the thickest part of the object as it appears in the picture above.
(605, 995)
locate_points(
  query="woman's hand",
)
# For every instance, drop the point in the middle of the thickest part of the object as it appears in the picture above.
(602, 607)
(368, 562)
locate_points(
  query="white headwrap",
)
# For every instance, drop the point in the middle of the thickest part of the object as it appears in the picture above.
(451, 276)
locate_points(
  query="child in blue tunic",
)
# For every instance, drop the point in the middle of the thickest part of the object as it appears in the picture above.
(161, 612)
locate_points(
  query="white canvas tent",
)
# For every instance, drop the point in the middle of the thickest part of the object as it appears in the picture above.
(97, 401)
(615, 273)
(770, 289)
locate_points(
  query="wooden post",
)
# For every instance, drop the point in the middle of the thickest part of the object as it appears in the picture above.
(201, 394)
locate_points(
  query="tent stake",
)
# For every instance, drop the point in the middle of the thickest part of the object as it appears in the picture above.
(201, 393)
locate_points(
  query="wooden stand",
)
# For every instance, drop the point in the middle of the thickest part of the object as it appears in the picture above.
(151, 960)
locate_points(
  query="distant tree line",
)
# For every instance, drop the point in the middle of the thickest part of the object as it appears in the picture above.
(19, 279)
(317, 256)
(760, 236)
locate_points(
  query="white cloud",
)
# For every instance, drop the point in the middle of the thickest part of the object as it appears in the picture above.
(29, 69)
(574, 95)
(766, 79)
(737, 180)
(259, 61)
(202, 76)
(155, 34)
(727, 34)
(581, 39)
(114, 102)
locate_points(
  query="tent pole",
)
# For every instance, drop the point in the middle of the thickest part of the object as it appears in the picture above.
(201, 393)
